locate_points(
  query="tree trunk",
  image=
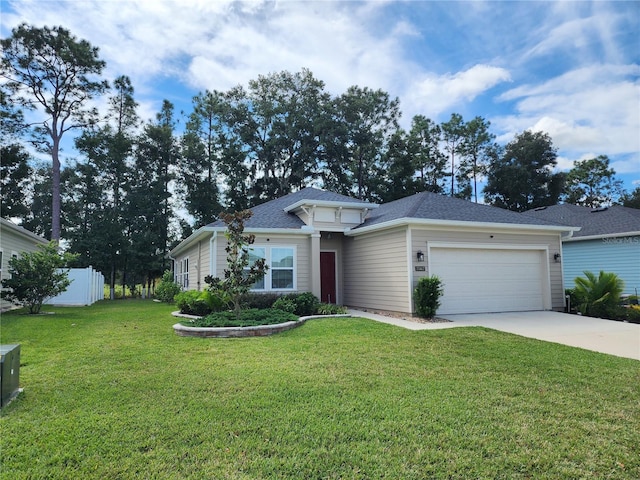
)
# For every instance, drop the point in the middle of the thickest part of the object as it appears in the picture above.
(55, 191)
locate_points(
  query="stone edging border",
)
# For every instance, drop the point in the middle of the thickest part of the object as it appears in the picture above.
(239, 332)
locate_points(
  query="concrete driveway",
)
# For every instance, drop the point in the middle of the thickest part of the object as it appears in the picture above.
(606, 336)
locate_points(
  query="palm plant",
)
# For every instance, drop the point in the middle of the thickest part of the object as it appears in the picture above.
(598, 296)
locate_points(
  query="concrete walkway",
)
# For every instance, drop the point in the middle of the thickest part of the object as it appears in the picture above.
(605, 336)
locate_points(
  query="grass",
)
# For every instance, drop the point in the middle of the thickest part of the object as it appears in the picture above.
(111, 392)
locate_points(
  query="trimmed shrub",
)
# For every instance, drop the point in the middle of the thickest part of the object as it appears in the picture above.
(167, 289)
(193, 302)
(285, 304)
(248, 318)
(306, 304)
(426, 296)
(259, 300)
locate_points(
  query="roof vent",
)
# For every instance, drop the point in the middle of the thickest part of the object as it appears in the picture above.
(599, 209)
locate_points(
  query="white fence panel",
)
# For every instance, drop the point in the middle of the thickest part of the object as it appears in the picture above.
(87, 287)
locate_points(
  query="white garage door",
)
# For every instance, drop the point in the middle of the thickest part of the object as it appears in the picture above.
(489, 280)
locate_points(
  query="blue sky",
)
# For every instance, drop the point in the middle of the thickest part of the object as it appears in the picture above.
(571, 69)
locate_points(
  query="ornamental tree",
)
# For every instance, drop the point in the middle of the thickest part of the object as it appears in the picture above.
(242, 271)
(36, 277)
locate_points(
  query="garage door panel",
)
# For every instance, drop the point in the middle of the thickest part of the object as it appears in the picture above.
(488, 280)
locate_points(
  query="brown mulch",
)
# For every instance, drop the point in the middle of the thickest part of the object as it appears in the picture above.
(405, 316)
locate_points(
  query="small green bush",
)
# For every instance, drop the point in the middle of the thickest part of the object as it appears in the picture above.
(259, 300)
(285, 304)
(167, 289)
(427, 296)
(306, 304)
(248, 318)
(632, 313)
(193, 302)
(330, 309)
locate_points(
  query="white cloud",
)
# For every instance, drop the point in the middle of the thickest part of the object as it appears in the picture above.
(595, 108)
(433, 94)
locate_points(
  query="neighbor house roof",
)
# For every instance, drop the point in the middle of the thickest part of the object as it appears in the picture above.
(435, 207)
(594, 222)
(4, 223)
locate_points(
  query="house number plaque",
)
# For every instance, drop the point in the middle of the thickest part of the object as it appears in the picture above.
(420, 268)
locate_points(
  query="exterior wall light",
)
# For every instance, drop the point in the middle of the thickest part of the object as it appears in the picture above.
(420, 256)
(556, 257)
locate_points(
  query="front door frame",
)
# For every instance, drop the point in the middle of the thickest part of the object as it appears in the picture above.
(335, 270)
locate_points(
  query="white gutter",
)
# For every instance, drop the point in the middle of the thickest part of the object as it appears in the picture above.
(607, 235)
(458, 224)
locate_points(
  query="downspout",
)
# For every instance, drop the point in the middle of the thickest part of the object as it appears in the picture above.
(212, 254)
(410, 272)
(198, 264)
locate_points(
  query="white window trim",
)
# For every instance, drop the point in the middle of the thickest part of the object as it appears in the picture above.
(267, 277)
(181, 275)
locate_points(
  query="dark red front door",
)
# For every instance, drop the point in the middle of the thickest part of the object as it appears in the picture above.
(328, 277)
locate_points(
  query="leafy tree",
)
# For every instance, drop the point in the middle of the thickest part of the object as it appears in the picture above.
(278, 119)
(592, 183)
(477, 150)
(36, 277)
(38, 193)
(84, 215)
(599, 296)
(522, 178)
(50, 69)
(240, 273)
(429, 162)
(364, 119)
(149, 209)
(107, 157)
(15, 171)
(400, 170)
(413, 161)
(202, 150)
(15, 174)
(453, 136)
(630, 199)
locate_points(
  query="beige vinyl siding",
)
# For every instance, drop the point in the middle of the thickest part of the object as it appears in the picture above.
(376, 271)
(421, 237)
(302, 244)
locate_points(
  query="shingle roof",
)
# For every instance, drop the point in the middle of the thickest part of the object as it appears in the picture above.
(272, 215)
(432, 206)
(594, 222)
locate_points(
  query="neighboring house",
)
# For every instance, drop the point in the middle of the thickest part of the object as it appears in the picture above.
(609, 240)
(361, 254)
(15, 240)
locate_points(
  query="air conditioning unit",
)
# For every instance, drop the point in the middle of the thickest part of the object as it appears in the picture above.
(9, 373)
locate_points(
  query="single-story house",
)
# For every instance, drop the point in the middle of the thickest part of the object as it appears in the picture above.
(608, 240)
(15, 240)
(356, 253)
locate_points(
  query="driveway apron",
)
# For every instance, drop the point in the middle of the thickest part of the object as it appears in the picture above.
(605, 336)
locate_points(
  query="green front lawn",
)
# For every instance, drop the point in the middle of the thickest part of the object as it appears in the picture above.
(110, 392)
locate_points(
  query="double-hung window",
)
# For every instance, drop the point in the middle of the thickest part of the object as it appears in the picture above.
(182, 272)
(281, 261)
